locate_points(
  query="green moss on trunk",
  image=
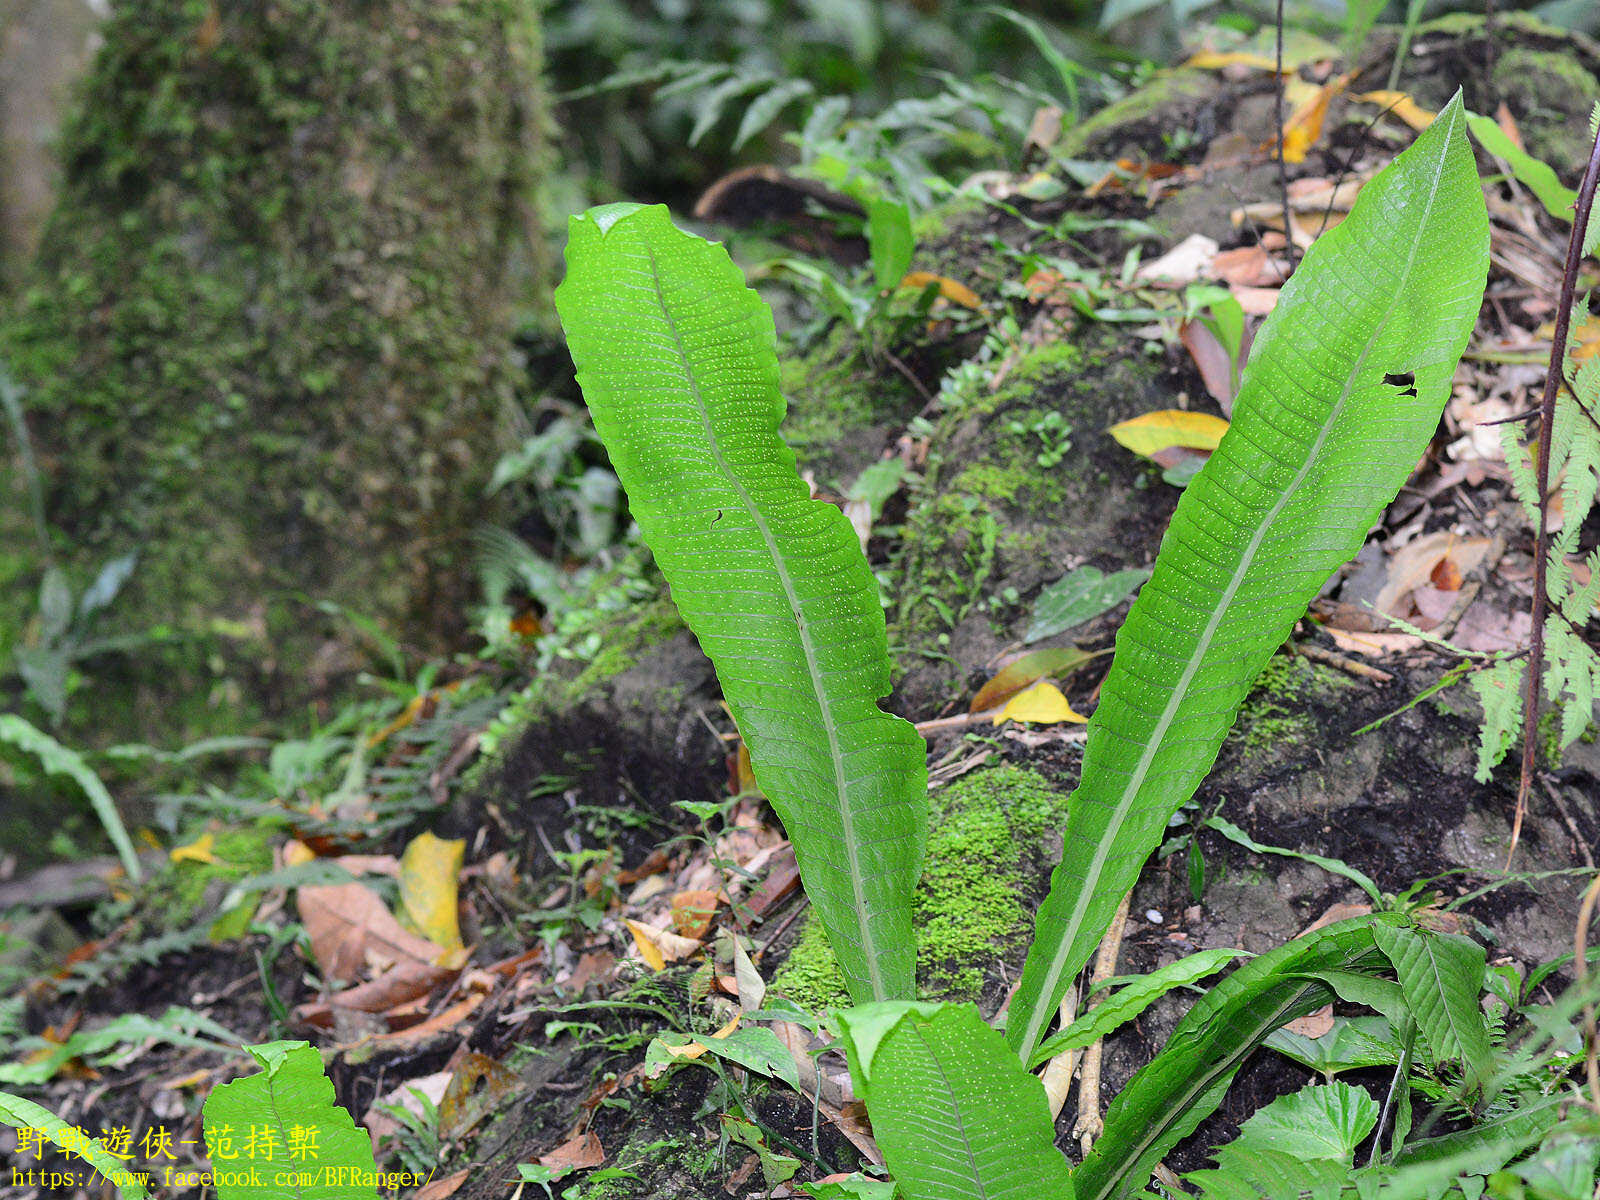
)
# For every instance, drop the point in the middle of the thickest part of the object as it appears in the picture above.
(266, 336)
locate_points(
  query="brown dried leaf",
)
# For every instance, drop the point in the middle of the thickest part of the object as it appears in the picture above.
(693, 911)
(1026, 670)
(576, 1154)
(347, 921)
(1313, 1025)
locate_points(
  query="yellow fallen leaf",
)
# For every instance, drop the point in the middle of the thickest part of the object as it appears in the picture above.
(297, 853)
(696, 1049)
(1402, 106)
(1165, 428)
(956, 293)
(1215, 60)
(644, 943)
(1043, 704)
(1304, 126)
(658, 947)
(199, 850)
(430, 872)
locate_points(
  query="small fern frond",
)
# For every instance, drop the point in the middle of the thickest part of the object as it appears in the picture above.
(1499, 690)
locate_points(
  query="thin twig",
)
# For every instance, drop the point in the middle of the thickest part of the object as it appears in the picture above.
(1579, 844)
(1348, 665)
(1541, 548)
(1283, 171)
(929, 400)
(1089, 1125)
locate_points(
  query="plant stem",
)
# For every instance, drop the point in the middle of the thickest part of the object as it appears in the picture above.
(1289, 247)
(1541, 545)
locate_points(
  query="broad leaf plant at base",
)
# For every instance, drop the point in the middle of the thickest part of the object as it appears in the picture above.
(1342, 392)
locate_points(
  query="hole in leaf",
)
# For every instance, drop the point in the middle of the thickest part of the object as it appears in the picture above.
(1406, 382)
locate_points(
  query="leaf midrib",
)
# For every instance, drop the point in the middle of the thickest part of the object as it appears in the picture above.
(1194, 1085)
(1041, 1010)
(814, 673)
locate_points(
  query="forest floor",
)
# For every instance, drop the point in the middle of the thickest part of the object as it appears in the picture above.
(519, 943)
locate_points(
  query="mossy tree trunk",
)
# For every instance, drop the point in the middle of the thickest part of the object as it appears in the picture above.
(266, 337)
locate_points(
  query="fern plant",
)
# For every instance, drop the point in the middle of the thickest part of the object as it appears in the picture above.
(1345, 386)
(772, 582)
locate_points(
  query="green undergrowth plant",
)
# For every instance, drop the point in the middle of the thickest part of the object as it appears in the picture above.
(1341, 394)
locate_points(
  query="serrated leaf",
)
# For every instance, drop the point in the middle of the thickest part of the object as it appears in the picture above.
(1128, 1001)
(1344, 389)
(1169, 1097)
(1352, 1043)
(1327, 1122)
(676, 359)
(1080, 596)
(952, 1109)
(1263, 1173)
(283, 1122)
(1153, 432)
(1441, 975)
(1499, 690)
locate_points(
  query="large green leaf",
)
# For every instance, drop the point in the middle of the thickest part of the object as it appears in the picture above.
(1441, 975)
(1169, 1097)
(1343, 390)
(677, 361)
(956, 1116)
(279, 1133)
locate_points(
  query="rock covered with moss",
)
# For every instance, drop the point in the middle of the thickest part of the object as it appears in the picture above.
(266, 337)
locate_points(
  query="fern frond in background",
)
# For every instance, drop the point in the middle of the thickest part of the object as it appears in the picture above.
(1572, 663)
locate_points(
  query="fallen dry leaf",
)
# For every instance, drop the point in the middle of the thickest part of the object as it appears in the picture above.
(692, 912)
(949, 289)
(1256, 301)
(1420, 563)
(1041, 704)
(1026, 669)
(478, 1086)
(1216, 365)
(1400, 105)
(402, 982)
(1151, 432)
(658, 947)
(1485, 627)
(1186, 262)
(576, 1154)
(1374, 645)
(430, 871)
(200, 850)
(1336, 912)
(1249, 266)
(348, 923)
(1304, 126)
(657, 861)
(1313, 1025)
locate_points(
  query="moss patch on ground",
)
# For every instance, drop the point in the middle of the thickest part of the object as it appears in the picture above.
(842, 407)
(988, 846)
(1022, 482)
(1280, 711)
